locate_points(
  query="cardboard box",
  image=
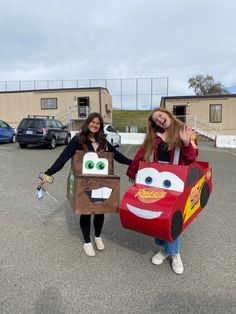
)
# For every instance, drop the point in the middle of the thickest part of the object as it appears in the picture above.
(93, 193)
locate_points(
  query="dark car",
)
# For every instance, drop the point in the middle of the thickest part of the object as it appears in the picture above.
(42, 130)
(7, 133)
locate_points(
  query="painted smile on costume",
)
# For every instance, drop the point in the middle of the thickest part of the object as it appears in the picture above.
(143, 213)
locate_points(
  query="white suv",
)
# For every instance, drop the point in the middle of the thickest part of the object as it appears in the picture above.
(113, 136)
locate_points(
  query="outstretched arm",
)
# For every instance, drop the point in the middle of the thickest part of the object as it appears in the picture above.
(119, 157)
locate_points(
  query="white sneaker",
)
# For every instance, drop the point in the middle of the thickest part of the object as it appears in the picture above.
(99, 244)
(159, 257)
(88, 248)
(177, 264)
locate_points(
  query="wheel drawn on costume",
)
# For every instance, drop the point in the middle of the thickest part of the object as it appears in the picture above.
(205, 193)
(176, 224)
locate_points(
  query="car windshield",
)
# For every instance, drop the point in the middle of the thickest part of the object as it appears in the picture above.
(31, 123)
(111, 129)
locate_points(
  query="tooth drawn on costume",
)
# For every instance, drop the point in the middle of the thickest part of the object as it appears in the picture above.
(99, 195)
(92, 164)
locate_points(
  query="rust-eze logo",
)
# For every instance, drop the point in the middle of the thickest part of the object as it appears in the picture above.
(150, 195)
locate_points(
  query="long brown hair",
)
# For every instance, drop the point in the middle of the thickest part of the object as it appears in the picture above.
(84, 134)
(172, 139)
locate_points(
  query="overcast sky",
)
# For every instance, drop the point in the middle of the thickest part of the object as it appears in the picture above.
(76, 39)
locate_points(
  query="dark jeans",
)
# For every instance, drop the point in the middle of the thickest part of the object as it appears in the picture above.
(85, 225)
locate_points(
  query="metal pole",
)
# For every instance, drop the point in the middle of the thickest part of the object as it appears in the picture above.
(121, 94)
(151, 91)
(136, 93)
(167, 87)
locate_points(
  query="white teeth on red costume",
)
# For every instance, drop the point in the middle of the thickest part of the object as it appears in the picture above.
(143, 213)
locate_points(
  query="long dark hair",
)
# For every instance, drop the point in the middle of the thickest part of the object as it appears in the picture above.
(84, 134)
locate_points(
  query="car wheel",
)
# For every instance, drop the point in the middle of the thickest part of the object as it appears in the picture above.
(52, 143)
(176, 224)
(13, 139)
(68, 139)
(204, 195)
(22, 145)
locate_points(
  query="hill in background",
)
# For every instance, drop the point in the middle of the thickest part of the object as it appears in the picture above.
(130, 119)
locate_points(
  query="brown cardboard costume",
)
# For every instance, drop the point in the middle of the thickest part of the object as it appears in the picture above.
(91, 186)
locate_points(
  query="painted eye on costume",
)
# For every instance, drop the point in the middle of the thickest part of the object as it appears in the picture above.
(163, 180)
(170, 181)
(100, 165)
(89, 164)
(148, 180)
(92, 164)
(167, 184)
(148, 176)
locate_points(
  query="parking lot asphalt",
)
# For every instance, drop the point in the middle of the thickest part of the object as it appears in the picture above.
(43, 268)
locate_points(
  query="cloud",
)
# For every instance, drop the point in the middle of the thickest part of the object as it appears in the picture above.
(111, 39)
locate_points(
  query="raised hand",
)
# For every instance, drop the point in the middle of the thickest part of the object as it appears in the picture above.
(185, 134)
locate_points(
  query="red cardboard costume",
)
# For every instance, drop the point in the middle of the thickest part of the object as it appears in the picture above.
(166, 198)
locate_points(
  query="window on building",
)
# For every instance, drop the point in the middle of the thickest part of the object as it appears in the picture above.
(48, 103)
(215, 113)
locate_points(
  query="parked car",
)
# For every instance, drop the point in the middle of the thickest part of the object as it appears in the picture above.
(113, 136)
(36, 129)
(7, 133)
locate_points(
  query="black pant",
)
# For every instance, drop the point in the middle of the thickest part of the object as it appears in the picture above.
(85, 224)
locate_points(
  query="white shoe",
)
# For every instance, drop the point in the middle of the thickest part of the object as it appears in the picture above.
(159, 257)
(88, 248)
(177, 264)
(99, 244)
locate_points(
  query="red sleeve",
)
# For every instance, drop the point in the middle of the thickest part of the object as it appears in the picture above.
(133, 167)
(189, 153)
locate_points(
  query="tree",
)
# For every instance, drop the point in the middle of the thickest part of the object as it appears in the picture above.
(206, 85)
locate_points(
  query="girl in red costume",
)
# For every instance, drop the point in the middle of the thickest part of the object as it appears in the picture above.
(168, 140)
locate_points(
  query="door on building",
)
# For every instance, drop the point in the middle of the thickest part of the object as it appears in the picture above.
(180, 112)
(83, 107)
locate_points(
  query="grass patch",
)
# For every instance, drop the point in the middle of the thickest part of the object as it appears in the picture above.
(130, 119)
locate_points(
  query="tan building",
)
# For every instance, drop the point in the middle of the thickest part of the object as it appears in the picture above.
(212, 115)
(71, 106)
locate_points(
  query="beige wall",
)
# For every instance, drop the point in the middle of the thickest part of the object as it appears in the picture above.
(16, 105)
(201, 108)
(106, 101)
